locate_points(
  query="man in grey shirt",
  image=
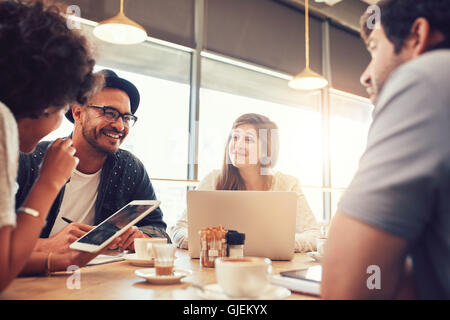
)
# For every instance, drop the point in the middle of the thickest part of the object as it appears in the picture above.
(391, 235)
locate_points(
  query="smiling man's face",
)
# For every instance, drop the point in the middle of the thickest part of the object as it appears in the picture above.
(384, 62)
(101, 134)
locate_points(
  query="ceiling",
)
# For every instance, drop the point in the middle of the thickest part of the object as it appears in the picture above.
(370, 1)
(346, 12)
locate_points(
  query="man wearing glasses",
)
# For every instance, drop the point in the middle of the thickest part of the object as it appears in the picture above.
(106, 178)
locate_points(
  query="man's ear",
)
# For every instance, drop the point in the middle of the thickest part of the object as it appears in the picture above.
(420, 38)
(76, 112)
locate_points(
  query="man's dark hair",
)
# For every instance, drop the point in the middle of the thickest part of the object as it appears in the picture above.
(43, 63)
(398, 16)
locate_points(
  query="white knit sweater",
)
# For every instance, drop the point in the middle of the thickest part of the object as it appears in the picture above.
(307, 230)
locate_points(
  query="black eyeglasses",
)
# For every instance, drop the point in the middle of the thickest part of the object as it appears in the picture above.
(112, 115)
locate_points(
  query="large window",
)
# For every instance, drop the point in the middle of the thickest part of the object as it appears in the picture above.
(299, 131)
(229, 91)
(160, 136)
(298, 119)
(349, 124)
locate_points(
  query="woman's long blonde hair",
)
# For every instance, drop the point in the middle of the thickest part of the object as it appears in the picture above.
(230, 179)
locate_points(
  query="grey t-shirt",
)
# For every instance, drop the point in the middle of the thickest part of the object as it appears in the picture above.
(403, 182)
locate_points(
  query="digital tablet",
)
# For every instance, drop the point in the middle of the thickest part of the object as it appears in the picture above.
(309, 274)
(304, 281)
(115, 225)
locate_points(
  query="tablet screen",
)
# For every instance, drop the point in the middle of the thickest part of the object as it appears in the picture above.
(114, 223)
(311, 274)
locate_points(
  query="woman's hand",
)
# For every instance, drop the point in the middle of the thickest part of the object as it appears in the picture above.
(58, 163)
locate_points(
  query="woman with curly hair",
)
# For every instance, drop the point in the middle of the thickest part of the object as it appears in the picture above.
(44, 68)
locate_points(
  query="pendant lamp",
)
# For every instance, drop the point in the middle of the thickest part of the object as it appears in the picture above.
(120, 30)
(308, 79)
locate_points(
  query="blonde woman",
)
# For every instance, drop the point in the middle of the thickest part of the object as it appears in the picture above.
(251, 153)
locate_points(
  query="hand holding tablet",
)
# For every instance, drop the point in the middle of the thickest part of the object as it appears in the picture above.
(102, 235)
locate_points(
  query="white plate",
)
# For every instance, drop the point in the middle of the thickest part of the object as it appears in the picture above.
(315, 255)
(134, 260)
(215, 292)
(150, 275)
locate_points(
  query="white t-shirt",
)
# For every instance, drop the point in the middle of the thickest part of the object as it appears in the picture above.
(78, 203)
(9, 157)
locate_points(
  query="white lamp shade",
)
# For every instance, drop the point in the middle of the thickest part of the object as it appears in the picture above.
(120, 30)
(308, 80)
(120, 33)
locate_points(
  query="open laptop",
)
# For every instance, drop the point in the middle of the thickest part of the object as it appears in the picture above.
(266, 217)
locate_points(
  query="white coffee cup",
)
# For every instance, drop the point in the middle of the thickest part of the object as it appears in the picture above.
(245, 277)
(143, 247)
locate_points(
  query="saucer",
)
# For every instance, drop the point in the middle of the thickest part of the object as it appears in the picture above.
(214, 292)
(315, 255)
(139, 262)
(150, 275)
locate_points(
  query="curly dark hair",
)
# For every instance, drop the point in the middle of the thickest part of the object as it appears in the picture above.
(43, 62)
(398, 16)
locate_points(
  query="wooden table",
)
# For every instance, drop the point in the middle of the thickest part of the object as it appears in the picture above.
(117, 281)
